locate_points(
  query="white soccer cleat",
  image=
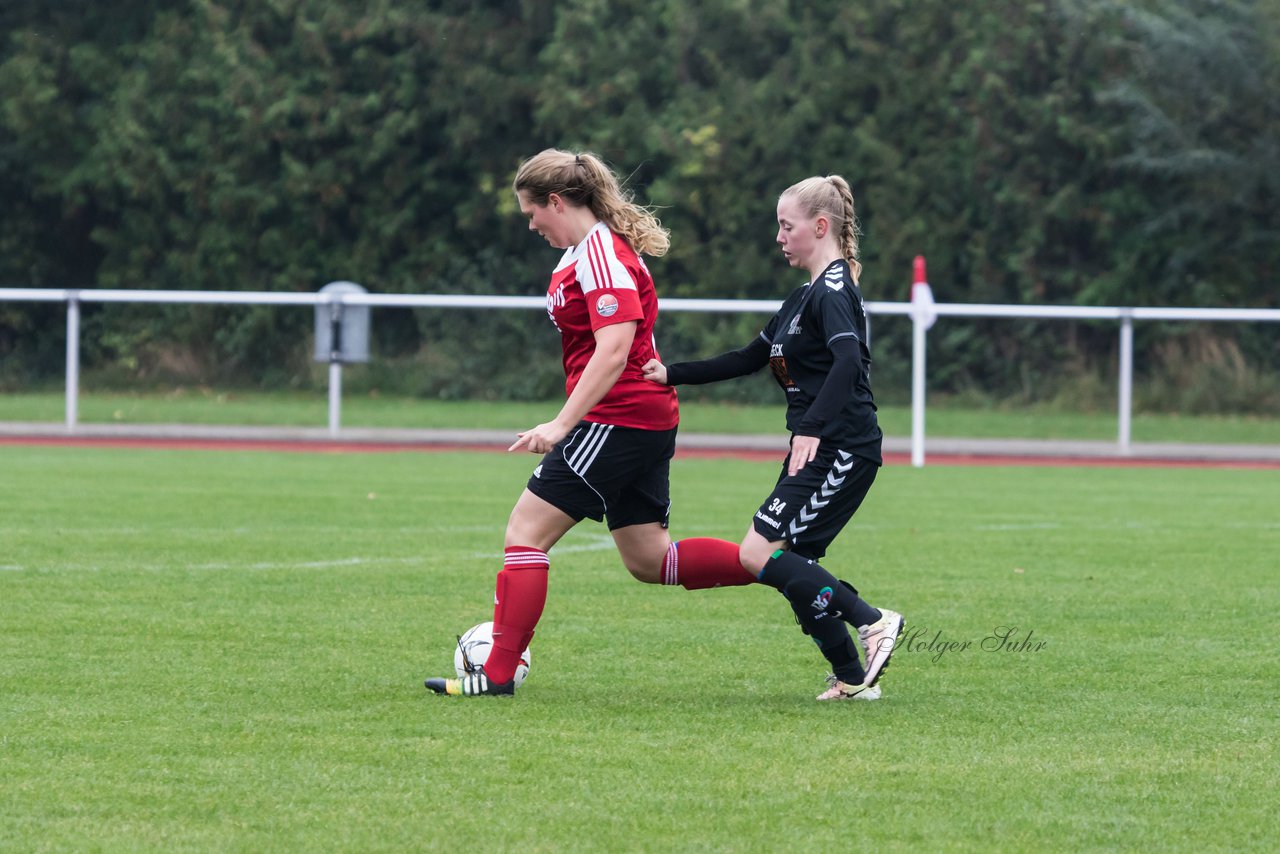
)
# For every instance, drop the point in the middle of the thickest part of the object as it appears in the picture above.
(878, 641)
(845, 691)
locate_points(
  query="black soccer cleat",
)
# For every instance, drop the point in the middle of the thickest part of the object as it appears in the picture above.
(474, 684)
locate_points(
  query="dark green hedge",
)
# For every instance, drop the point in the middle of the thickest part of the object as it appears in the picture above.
(1042, 152)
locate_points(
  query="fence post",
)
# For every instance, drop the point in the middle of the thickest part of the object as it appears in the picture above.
(335, 366)
(1126, 379)
(73, 359)
(923, 315)
(917, 391)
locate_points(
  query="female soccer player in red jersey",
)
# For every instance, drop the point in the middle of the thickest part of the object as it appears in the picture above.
(607, 453)
(816, 346)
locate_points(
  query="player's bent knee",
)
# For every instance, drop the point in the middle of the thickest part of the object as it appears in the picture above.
(754, 553)
(646, 574)
(643, 549)
(645, 565)
(536, 523)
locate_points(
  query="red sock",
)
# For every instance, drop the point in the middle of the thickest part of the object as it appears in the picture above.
(702, 562)
(519, 598)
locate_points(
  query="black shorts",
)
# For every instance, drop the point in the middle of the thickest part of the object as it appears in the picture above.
(602, 470)
(808, 510)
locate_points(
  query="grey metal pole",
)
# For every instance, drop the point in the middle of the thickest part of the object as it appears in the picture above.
(335, 367)
(73, 359)
(335, 397)
(1126, 380)
(917, 389)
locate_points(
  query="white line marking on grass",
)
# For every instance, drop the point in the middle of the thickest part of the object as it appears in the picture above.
(604, 543)
(597, 543)
(1019, 526)
(313, 564)
(11, 567)
(88, 531)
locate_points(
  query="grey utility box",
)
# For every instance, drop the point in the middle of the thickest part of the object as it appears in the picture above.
(342, 331)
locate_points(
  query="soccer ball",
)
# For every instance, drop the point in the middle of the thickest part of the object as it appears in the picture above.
(473, 650)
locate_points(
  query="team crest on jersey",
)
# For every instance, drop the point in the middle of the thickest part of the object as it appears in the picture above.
(607, 305)
(555, 299)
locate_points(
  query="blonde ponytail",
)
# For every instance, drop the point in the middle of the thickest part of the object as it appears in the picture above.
(832, 198)
(583, 179)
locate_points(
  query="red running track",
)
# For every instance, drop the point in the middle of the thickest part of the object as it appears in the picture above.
(341, 447)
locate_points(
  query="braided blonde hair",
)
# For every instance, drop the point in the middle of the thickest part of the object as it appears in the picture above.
(583, 179)
(832, 198)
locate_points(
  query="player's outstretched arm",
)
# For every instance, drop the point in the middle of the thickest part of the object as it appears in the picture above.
(655, 371)
(726, 366)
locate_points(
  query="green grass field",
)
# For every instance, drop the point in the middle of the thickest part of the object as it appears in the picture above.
(224, 651)
(209, 406)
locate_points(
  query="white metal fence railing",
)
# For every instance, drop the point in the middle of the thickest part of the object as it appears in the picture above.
(917, 313)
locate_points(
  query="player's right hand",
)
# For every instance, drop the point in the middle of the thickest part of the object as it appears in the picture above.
(655, 371)
(540, 439)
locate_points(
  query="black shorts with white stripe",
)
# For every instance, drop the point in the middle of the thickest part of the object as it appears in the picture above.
(601, 470)
(809, 510)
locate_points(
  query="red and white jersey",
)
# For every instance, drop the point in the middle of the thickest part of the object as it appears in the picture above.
(599, 282)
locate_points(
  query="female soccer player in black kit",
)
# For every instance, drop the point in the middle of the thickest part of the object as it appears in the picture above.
(816, 346)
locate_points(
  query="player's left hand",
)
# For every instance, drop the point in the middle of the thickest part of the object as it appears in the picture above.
(654, 371)
(803, 450)
(540, 439)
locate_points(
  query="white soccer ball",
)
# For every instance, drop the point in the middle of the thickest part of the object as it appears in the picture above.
(473, 650)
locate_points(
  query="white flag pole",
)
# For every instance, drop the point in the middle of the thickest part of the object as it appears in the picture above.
(923, 315)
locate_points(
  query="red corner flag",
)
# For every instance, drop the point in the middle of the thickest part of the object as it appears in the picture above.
(922, 295)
